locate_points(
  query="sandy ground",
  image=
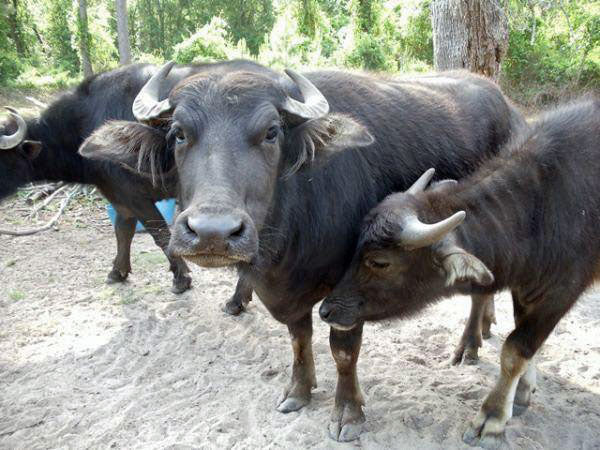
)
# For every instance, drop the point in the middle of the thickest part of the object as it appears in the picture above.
(85, 365)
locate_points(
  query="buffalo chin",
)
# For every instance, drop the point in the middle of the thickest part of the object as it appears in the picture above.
(341, 327)
(213, 260)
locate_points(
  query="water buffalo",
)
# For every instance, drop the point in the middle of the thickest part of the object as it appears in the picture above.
(531, 226)
(276, 174)
(63, 126)
(16, 153)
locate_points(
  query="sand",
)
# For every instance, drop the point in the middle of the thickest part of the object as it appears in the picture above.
(85, 365)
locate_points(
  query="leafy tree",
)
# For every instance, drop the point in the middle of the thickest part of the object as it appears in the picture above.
(60, 37)
(250, 20)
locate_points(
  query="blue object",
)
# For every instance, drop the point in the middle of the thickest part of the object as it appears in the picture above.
(166, 208)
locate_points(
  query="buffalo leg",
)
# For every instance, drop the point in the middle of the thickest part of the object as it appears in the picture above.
(124, 231)
(159, 230)
(528, 381)
(241, 297)
(297, 394)
(347, 417)
(489, 317)
(471, 339)
(534, 325)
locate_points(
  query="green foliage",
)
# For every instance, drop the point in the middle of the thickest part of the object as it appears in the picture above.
(44, 79)
(209, 43)
(552, 51)
(369, 53)
(9, 65)
(60, 36)
(249, 20)
(309, 18)
(415, 38)
(554, 45)
(367, 16)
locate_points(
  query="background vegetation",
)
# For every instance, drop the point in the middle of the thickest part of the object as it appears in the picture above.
(554, 45)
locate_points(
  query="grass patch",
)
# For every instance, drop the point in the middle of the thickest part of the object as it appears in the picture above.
(16, 295)
(149, 259)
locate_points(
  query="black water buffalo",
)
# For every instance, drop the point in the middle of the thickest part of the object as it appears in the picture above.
(16, 153)
(63, 126)
(532, 226)
(276, 175)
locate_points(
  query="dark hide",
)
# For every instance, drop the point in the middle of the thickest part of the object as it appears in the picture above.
(532, 226)
(64, 125)
(284, 197)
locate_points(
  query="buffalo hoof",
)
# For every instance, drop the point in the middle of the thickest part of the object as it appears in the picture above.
(116, 276)
(486, 431)
(346, 423)
(522, 400)
(234, 307)
(489, 441)
(237, 304)
(485, 332)
(290, 404)
(181, 284)
(468, 355)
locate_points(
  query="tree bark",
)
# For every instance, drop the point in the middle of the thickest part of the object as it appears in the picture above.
(84, 40)
(123, 32)
(469, 34)
(15, 28)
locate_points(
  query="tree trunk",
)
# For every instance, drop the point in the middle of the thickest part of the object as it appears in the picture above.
(15, 28)
(84, 40)
(469, 34)
(123, 32)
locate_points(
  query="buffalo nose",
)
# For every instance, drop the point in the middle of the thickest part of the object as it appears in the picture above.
(325, 310)
(215, 231)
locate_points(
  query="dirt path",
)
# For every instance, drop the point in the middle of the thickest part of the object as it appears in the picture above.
(85, 365)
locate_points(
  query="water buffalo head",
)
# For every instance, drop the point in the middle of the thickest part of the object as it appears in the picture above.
(16, 153)
(233, 138)
(401, 263)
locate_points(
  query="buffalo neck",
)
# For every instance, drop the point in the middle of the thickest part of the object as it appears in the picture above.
(529, 211)
(59, 159)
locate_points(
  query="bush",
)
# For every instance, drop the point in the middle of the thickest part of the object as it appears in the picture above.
(44, 79)
(369, 53)
(209, 43)
(9, 66)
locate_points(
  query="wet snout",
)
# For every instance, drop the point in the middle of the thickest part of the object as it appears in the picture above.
(213, 238)
(338, 313)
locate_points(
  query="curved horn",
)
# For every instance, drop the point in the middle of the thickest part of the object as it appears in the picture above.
(15, 139)
(422, 182)
(315, 104)
(147, 105)
(416, 234)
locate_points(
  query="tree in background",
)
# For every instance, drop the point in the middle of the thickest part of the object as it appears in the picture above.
(16, 28)
(250, 20)
(59, 36)
(84, 38)
(370, 51)
(469, 34)
(122, 32)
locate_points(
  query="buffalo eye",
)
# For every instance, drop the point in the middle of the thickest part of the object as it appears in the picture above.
(377, 263)
(179, 135)
(272, 134)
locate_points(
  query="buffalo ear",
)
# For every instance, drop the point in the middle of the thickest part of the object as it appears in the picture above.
(315, 140)
(460, 265)
(133, 145)
(31, 149)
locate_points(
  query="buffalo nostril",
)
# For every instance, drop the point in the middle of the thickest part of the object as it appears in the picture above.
(238, 230)
(324, 311)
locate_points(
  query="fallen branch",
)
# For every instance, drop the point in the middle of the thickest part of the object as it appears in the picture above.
(65, 202)
(36, 102)
(47, 201)
(36, 192)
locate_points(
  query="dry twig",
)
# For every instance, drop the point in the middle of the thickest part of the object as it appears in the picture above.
(65, 202)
